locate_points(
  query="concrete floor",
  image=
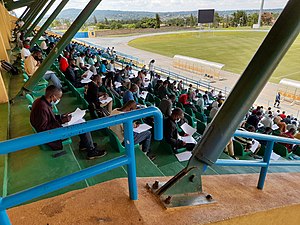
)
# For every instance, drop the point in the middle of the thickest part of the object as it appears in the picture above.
(108, 203)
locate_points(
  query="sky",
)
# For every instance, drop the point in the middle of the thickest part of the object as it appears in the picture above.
(171, 5)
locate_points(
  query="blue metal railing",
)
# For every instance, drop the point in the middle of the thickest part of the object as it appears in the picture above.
(128, 159)
(265, 163)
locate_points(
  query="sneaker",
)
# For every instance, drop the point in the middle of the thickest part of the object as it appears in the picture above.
(94, 154)
(81, 148)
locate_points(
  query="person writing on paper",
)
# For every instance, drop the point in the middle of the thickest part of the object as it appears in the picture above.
(171, 132)
(143, 138)
(42, 119)
(72, 75)
(129, 94)
(166, 105)
(94, 96)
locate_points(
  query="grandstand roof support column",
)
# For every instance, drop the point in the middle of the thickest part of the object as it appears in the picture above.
(241, 98)
(24, 13)
(260, 12)
(39, 18)
(49, 21)
(64, 41)
(34, 14)
(29, 13)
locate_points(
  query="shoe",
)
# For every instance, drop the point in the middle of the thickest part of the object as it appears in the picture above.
(81, 148)
(94, 154)
(151, 156)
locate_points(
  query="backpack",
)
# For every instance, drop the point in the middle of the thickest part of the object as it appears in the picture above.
(9, 67)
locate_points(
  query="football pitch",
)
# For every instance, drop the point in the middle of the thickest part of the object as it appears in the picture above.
(232, 48)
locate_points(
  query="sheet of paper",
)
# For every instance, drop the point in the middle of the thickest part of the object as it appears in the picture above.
(188, 139)
(183, 156)
(274, 156)
(77, 115)
(85, 81)
(275, 127)
(146, 84)
(107, 100)
(254, 146)
(77, 122)
(118, 84)
(88, 74)
(141, 128)
(188, 129)
(144, 94)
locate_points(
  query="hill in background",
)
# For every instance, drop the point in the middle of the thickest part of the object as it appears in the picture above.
(71, 14)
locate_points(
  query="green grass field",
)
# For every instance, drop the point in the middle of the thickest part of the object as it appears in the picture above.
(234, 49)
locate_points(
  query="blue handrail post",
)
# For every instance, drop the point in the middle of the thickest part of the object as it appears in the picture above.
(4, 219)
(129, 146)
(264, 170)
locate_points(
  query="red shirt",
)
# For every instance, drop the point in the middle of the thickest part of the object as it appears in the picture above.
(283, 116)
(63, 64)
(184, 99)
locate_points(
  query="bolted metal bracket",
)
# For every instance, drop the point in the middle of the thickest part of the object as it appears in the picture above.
(185, 189)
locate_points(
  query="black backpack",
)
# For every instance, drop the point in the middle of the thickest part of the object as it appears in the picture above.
(9, 67)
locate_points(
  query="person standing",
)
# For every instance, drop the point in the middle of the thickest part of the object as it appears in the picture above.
(151, 69)
(277, 100)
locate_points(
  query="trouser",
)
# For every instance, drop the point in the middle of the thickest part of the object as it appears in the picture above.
(151, 75)
(49, 75)
(143, 138)
(86, 141)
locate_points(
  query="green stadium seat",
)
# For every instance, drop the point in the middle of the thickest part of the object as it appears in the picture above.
(200, 127)
(191, 120)
(281, 150)
(239, 149)
(115, 142)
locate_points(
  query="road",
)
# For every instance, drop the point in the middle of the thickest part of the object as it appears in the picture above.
(266, 97)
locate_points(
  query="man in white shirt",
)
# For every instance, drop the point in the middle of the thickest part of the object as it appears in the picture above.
(151, 68)
(25, 52)
(80, 61)
(33, 62)
(44, 45)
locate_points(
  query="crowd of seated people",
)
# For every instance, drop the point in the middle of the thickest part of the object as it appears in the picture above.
(127, 86)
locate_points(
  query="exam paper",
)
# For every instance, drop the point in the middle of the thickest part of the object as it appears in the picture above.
(254, 146)
(87, 75)
(274, 156)
(144, 94)
(77, 115)
(118, 84)
(184, 156)
(141, 128)
(107, 100)
(188, 139)
(85, 81)
(275, 127)
(188, 129)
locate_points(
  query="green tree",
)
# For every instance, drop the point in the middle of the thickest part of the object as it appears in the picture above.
(157, 19)
(95, 20)
(106, 21)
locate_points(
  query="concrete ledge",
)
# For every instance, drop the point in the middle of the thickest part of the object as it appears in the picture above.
(238, 202)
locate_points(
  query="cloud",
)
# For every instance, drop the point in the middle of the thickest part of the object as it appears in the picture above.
(172, 5)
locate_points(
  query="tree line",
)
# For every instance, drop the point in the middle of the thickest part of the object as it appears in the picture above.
(237, 19)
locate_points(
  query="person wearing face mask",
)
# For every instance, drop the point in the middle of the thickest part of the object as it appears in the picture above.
(93, 94)
(72, 75)
(171, 132)
(128, 95)
(143, 138)
(25, 52)
(42, 119)
(33, 62)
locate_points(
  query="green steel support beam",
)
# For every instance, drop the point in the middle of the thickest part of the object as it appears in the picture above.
(34, 14)
(11, 5)
(64, 41)
(24, 13)
(48, 22)
(254, 78)
(39, 18)
(31, 9)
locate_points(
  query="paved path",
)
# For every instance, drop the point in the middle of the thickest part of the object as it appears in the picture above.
(266, 97)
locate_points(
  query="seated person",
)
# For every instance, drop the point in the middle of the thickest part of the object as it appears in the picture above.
(230, 149)
(25, 52)
(72, 75)
(129, 94)
(289, 134)
(80, 62)
(171, 132)
(183, 99)
(42, 118)
(166, 105)
(163, 91)
(143, 138)
(63, 62)
(33, 62)
(93, 94)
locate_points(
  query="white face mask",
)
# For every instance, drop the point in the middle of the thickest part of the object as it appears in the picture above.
(55, 103)
(177, 121)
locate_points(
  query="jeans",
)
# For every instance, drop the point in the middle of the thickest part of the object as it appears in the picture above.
(143, 138)
(49, 75)
(86, 140)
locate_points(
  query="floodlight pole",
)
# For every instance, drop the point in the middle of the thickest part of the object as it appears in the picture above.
(260, 12)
